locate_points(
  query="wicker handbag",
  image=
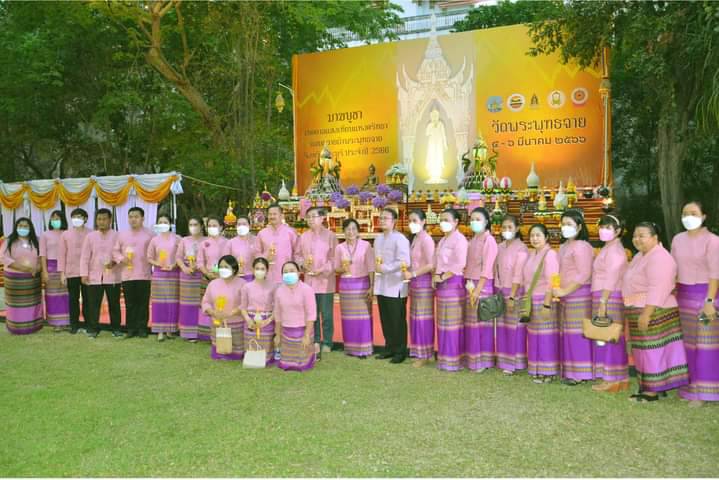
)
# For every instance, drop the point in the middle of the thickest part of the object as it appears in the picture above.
(223, 340)
(602, 329)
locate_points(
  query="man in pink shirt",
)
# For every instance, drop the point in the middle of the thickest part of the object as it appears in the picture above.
(100, 275)
(69, 252)
(130, 252)
(277, 243)
(316, 254)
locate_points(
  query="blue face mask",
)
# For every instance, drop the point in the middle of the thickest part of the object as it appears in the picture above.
(290, 278)
(23, 232)
(55, 224)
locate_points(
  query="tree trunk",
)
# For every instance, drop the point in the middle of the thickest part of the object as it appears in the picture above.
(671, 152)
(712, 210)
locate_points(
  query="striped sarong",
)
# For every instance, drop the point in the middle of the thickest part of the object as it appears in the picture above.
(451, 297)
(576, 350)
(204, 322)
(23, 303)
(190, 299)
(659, 355)
(478, 336)
(267, 335)
(293, 355)
(165, 298)
(511, 337)
(237, 325)
(356, 313)
(610, 360)
(57, 300)
(701, 343)
(542, 340)
(421, 317)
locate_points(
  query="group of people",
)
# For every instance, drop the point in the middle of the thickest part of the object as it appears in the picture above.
(277, 289)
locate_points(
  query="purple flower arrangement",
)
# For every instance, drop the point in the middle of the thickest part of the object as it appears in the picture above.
(336, 197)
(342, 203)
(352, 190)
(265, 196)
(365, 196)
(383, 189)
(379, 202)
(395, 196)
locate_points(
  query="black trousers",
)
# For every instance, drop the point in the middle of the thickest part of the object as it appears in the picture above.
(75, 289)
(393, 316)
(137, 305)
(94, 302)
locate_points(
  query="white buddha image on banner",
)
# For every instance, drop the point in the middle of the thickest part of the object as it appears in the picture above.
(436, 148)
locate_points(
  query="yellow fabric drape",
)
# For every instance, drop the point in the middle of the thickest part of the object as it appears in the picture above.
(14, 200)
(155, 196)
(75, 199)
(114, 198)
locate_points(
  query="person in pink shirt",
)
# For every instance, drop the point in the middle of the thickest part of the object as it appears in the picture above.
(295, 314)
(450, 260)
(653, 316)
(130, 252)
(610, 360)
(57, 303)
(543, 325)
(277, 243)
(575, 293)
(101, 275)
(479, 351)
(222, 302)
(192, 283)
(69, 252)
(165, 288)
(316, 254)
(256, 306)
(23, 302)
(354, 263)
(208, 257)
(421, 293)
(243, 247)
(511, 334)
(696, 252)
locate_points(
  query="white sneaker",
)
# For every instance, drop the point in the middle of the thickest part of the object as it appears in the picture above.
(326, 349)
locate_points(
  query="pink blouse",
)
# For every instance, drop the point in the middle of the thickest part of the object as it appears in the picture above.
(244, 249)
(211, 250)
(295, 306)
(96, 253)
(361, 258)
(135, 241)
(189, 247)
(481, 255)
(50, 243)
(697, 257)
(575, 262)
(21, 252)
(609, 267)
(511, 257)
(451, 254)
(224, 296)
(163, 249)
(258, 296)
(650, 279)
(69, 251)
(284, 241)
(421, 251)
(321, 245)
(551, 267)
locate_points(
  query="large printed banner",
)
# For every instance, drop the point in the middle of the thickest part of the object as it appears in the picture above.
(425, 102)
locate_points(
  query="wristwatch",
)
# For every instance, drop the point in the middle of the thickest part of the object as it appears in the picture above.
(709, 300)
(548, 307)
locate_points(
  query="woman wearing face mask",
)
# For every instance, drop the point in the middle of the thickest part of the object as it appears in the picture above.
(653, 316)
(256, 304)
(221, 302)
(295, 313)
(192, 284)
(449, 261)
(57, 300)
(354, 263)
(165, 289)
(208, 256)
(421, 294)
(23, 311)
(479, 274)
(696, 252)
(610, 360)
(543, 327)
(511, 335)
(243, 247)
(575, 293)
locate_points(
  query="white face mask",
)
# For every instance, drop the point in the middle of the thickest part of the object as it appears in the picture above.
(213, 231)
(225, 272)
(691, 222)
(569, 231)
(415, 228)
(77, 222)
(162, 228)
(260, 274)
(446, 227)
(508, 235)
(477, 226)
(243, 230)
(194, 230)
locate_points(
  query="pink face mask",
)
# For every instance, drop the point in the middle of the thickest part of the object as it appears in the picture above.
(606, 234)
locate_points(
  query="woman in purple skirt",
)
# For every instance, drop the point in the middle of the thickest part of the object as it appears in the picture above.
(256, 305)
(421, 294)
(696, 252)
(295, 314)
(23, 302)
(57, 300)
(192, 285)
(165, 297)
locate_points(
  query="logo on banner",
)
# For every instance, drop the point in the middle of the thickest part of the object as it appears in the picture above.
(579, 96)
(515, 102)
(494, 104)
(556, 99)
(534, 102)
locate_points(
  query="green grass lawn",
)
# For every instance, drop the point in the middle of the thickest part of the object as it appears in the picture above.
(76, 407)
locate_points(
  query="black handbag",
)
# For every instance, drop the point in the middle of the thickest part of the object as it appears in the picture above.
(491, 307)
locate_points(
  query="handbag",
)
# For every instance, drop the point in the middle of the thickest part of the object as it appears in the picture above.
(602, 329)
(525, 307)
(223, 340)
(491, 307)
(255, 356)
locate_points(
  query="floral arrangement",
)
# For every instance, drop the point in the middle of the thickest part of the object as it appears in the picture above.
(379, 202)
(383, 189)
(336, 197)
(342, 203)
(365, 196)
(352, 190)
(395, 196)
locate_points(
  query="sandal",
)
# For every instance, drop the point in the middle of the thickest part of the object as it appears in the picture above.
(643, 398)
